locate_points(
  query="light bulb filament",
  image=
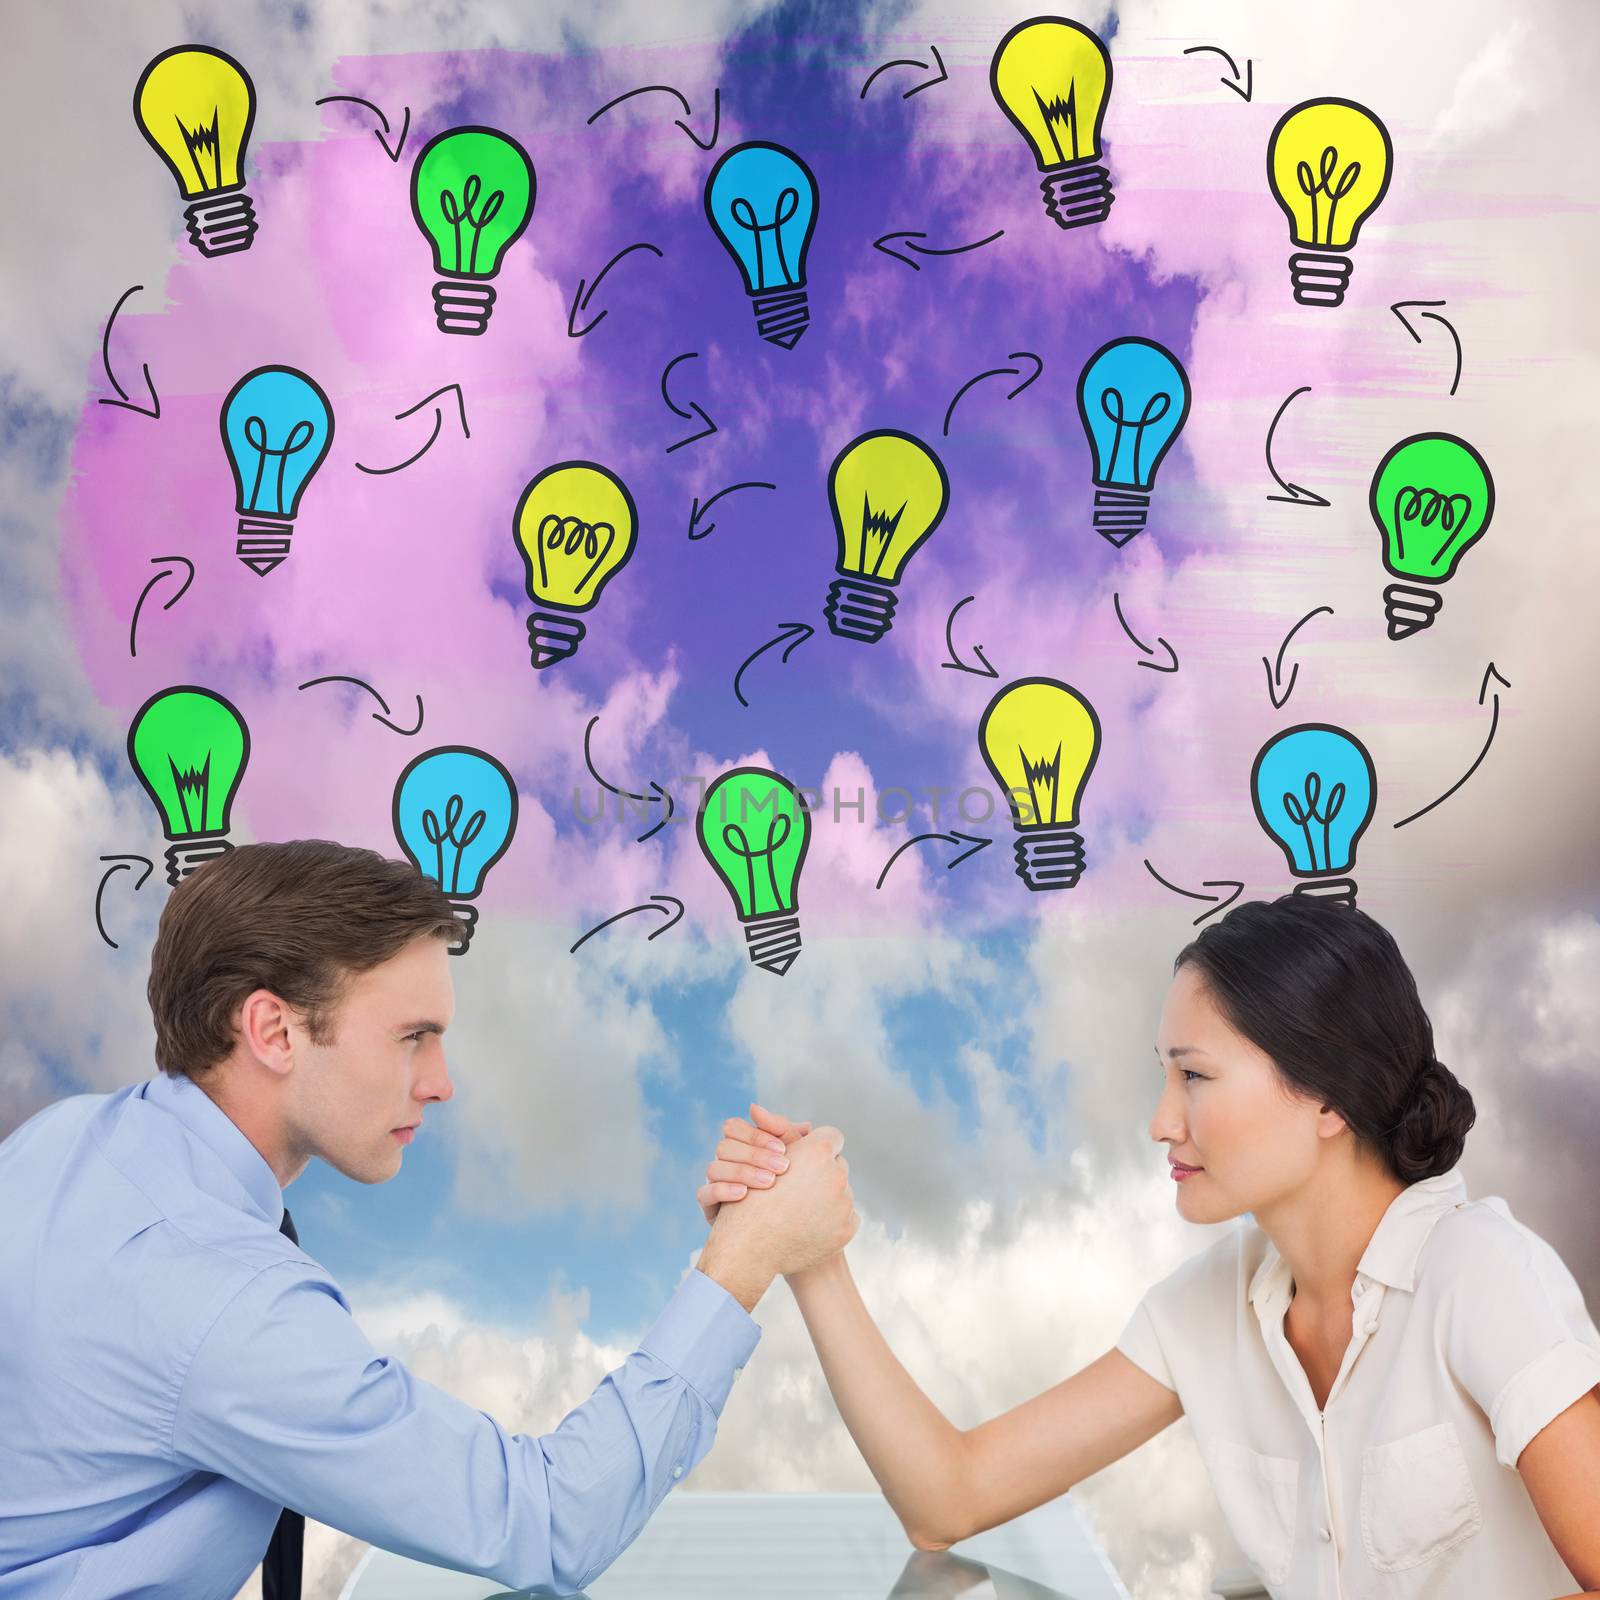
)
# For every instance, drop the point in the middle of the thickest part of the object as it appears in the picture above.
(1427, 506)
(187, 781)
(737, 843)
(456, 212)
(200, 139)
(1323, 182)
(744, 213)
(877, 531)
(255, 432)
(438, 836)
(1043, 773)
(1155, 408)
(1304, 816)
(567, 535)
(1058, 113)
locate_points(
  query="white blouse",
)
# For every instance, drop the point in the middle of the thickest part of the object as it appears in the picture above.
(1468, 1335)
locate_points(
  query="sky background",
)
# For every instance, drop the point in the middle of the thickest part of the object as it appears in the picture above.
(987, 1052)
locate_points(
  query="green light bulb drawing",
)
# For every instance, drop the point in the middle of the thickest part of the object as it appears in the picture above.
(1431, 497)
(754, 829)
(189, 747)
(471, 194)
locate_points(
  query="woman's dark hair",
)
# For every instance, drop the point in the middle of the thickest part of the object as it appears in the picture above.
(1324, 991)
(301, 918)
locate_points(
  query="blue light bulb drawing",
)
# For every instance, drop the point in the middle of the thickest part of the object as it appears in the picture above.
(277, 425)
(1133, 397)
(761, 201)
(1314, 789)
(455, 810)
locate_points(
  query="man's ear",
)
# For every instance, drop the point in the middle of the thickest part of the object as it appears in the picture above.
(264, 1026)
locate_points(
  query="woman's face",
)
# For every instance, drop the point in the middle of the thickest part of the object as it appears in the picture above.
(1225, 1109)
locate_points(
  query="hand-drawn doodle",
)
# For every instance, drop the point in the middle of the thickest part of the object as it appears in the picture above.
(955, 663)
(677, 122)
(1314, 788)
(189, 747)
(455, 811)
(195, 107)
(277, 425)
(1294, 494)
(888, 492)
(1491, 671)
(1041, 738)
(1133, 397)
(974, 841)
(656, 902)
(1218, 902)
(125, 401)
(1328, 166)
(754, 828)
(379, 133)
(1432, 498)
(574, 528)
(472, 192)
(761, 201)
(791, 636)
(1052, 78)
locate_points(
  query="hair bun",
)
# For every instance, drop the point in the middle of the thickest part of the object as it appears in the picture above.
(1432, 1130)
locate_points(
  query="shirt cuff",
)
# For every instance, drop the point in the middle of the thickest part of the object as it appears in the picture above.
(1540, 1393)
(705, 1336)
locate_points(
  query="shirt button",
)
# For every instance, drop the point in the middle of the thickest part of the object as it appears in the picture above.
(737, 1370)
(677, 1472)
(1372, 1326)
(1358, 1288)
(1327, 1533)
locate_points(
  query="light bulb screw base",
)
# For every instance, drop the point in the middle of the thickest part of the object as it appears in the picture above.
(1119, 514)
(773, 941)
(220, 224)
(1078, 195)
(781, 317)
(262, 545)
(188, 854)
(859, 609)
(553, 638)
(462, 307)
(1050, 858)
(1409, 609)
(1336, 891)
(1317, 279)
(467, 916)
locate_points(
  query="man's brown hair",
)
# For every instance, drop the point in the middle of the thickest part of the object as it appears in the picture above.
(301, 918)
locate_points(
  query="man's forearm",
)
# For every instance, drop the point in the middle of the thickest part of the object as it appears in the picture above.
(730, 1265)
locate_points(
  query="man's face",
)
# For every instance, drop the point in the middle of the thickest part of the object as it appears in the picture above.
(384, 1067)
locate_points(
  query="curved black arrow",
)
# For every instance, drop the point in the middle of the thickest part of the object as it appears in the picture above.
(1483, 688)
(1275, 669)
(152, 410)
(662, 88)
(906, 61)
(795, 632)
(121, 862)
(166, 605)
(955, 662)
(1116, 602)
(1210, 883)
(699, 509)
(673, 918)
(995, 372)
(1295, 496)
(580, 301)
(339, 677)
(1233, 82)
(953, 837)
(393, 152)
(660, 794)
(1399, 310)
(928, 249)
(438, 424)
(693, 412)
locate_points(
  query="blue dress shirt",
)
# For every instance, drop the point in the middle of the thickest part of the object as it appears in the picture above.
(173, 1372)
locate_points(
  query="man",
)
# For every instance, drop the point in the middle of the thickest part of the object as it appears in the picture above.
(176, 1375)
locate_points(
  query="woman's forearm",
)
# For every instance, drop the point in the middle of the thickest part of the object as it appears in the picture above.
(915, 1452)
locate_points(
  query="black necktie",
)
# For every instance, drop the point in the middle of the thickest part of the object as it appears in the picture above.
(281, 1567)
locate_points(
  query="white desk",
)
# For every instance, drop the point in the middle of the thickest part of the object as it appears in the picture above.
(708, 1545)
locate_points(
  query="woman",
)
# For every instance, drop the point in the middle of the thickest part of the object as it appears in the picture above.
(1391, 1385)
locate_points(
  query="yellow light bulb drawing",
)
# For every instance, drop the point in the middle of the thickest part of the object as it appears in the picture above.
(1052, 78)
(1040, 738)
(574, 527)
(1328, 164)
(888, 491)
(195, 107)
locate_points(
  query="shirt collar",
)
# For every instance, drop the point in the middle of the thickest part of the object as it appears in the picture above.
(1396, 1243)
(209, 1123)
